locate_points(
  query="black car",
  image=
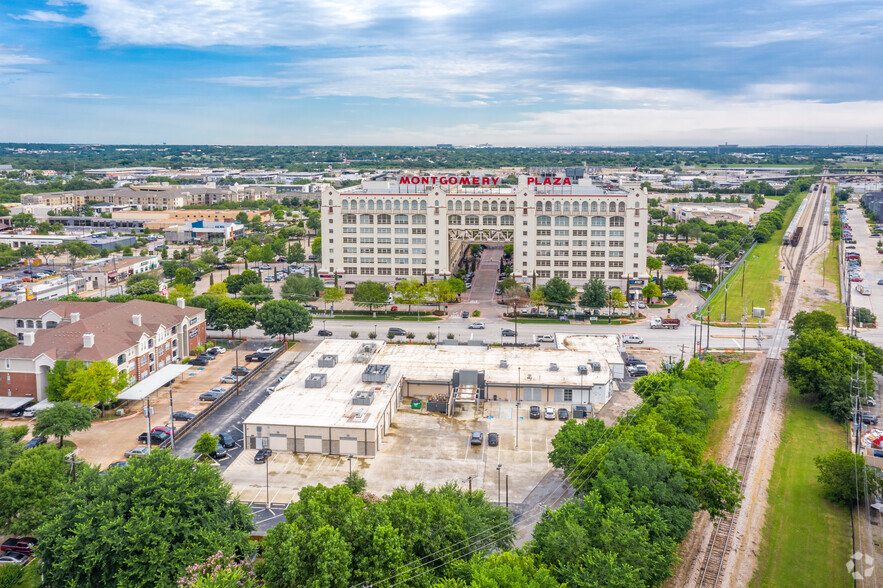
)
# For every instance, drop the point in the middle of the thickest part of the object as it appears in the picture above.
(493, 439)
(563, 415)
(509, 333)
(633, 361)
(208, 356)
(239, 370)
(395, 331)
(226, 439)
(222, 266)
(18, 411)
(183, 415)
(465, 314)
(35, 442)
(534, 412)
(199, 361)
(477, 438)
(311, 307)
(219, 452)
(156, 437)
(325, 333)
(262, 455)
(257, 356)
(210, 396)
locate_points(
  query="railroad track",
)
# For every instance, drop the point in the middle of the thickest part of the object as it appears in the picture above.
(718, 547)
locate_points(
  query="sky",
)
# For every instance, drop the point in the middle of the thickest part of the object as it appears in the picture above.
(421, 72)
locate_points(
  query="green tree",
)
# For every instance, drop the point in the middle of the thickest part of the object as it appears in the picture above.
(205, 445)
(301, 288)
(515, 296)
(60, 376)
(615, 300)
(654, 264)
(99, 383)
(143, 285)
(254, 254)
(409, 292)
(594, 294)
(242, 218)
(559, 294)
(675, 283)
(237, 282)
(7, 340)
(23, 220)
(370, 294)
(651, 291)
(62, 419)
(296, 254)
(845, 478)
(77, 250)
(678, 255)
(699, 272)
(284, 317)
(538, 296)
(816, 319)
(234, 315)
(316, 248)
(256, 294)
(507, 568)
(27, 251)
(332, 295)
(172, 529)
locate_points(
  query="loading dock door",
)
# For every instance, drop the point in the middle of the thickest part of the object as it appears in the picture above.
(279, 442)
(349, 446)
(532, 394)
(312, 444)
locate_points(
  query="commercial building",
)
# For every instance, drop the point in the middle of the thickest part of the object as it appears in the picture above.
(110, 271)
(418, 225)
(873, 201)
(138, 337)
(341, 399)
(712, 212)
(204, 232)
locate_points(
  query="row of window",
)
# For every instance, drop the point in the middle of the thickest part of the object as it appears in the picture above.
(384, 219)
(385, 260)
(383, 205)
(593, 206)
(580, 221)
(384, 271)
(486, 220)
(483, 205)
(578, 274)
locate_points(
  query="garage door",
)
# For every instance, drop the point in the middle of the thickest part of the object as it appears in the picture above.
(312, 444)
(532, 394)
(349, 446)
(279, 442)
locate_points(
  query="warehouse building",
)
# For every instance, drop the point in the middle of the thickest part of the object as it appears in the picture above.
(342, 398)
(422, 225)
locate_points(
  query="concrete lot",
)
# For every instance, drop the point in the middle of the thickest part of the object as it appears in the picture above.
(420, 448)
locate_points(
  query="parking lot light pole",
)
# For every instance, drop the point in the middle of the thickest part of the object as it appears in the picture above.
(517, 406)
(267, 461)
(171, 420)
(499, 483)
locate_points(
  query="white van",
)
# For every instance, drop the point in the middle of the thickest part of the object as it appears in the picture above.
(632, 339)
(544, 338)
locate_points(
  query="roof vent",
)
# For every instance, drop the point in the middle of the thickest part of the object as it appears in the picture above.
(27, 339)
(136, 320)
(376, 372)
(181, 302)
(553, 367)
(75, 317)
(582, 370)
(364, 397)
(88, 340)
(328, 360)
(316, 380)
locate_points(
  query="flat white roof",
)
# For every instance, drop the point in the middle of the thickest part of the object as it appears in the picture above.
(153, 382)
(13, 402)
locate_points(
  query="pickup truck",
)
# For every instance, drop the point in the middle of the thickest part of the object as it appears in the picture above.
(664, 323)
(23, 545)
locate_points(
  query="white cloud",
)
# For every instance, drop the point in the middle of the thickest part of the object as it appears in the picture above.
(14, 61)
(84, 96)
(46, 16)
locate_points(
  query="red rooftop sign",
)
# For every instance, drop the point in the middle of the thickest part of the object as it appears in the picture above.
(476, 181)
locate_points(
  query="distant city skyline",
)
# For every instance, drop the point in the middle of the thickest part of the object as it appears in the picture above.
(263, 72)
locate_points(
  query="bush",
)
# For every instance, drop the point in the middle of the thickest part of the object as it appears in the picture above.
(476, 313)
(355, 482)
(11, 575)
(837, 475)
(863, 315)
(372, 335)
(409, 335)
(430, 336)
(354, 334)
(450, 335)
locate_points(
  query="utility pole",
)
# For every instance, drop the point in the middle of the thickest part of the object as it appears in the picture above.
(726, 300)
(147, 411)
(694, 340)
(499, 485)
(171, 420)
(507, 491)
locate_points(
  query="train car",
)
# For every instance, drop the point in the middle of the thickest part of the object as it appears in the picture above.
(796, 238)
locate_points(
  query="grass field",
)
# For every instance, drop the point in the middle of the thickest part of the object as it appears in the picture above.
(806, 539)
(832, 282)
(760, 271)
(731, 383)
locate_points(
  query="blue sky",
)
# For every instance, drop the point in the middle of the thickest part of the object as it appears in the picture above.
(594, 72)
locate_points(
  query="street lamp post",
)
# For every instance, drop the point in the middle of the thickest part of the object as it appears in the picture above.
(517, 406)
(350, 460)
(499, 483)
(726, 299)
(437, 336)
(171, 420)
(267, 461)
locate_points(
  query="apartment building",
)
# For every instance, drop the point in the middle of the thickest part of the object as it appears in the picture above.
(418, 225)
(138, 337)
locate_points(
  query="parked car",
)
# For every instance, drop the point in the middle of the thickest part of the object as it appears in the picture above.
(549, 413)
(325, 333)
(632, 339)
(271, 389)
(217, 350)
(478, 325)
(266, 267)
(219, 453)
(262, 455)
(210, 396)
(136, 452)
(636, 371)
(631, 360)
(208, 356)
(257, 356)
(509, 333)
(563, 415)
(229, 379)
(183, 415)
(199, 361)
(163, 429)
(14, 557)
(395, 331)
(477, 438)
(35, 442)
(534, 412)
(156, 438)
(545, 338)
(464, 314)
(493, 439)
(239, 370)
(23, 545)
(311, 307)
(869, 419)
(18, 411)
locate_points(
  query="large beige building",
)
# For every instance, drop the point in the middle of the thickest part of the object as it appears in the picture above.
(152, 196)
(423, 225)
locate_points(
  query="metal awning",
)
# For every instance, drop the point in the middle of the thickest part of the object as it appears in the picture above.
(152, 383)
(13, 402)
(42, 405)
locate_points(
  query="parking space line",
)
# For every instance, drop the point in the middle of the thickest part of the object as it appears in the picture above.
(466, 455)
(531, 451)
(339, 463)
(324, 457)
(277, 493)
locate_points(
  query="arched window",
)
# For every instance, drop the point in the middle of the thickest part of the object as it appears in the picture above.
(539, 207)
(349, 219)
(384, 219)
(366, 219)
(423, 204)
(51, 324)
(525, 204)
(493, 206)
(467, 205)
(557, 206)
(562, 221)
(575, 206)
(599, 221)
(622, 207)
(418, 219)
(617, 221)
(401, 219)
(594, 207)
(30, 324)
(603, 207)
(612, 207)
(471, 220)
(458, 205)
(485, 206)
(389, 204)
(507, 220)
(370, 205)
(406, 205)
(436, 203)
(361, 205)
(580, 221)
(476, 205)
(345, 205)
(398, 205)
(512, 205)
(489, 220)
(548, 207)
(19, 323)
(585, 206)
(39, 324)
(544, 221)
(567, 207)
(454, 219)
(121, 359)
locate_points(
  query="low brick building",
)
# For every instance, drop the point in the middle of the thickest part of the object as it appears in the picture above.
(139, 337)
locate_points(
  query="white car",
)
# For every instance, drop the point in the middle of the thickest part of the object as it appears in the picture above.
(478, 325)
(228, 379)
(271, 389)
(632, 339)
(549, 413)
(218, 350)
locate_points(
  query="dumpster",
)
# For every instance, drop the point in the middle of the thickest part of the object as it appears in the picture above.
(416, 404)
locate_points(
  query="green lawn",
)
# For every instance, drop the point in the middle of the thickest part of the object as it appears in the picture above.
(728, 392)
(806, 539)
(831, 269)
(761, 270)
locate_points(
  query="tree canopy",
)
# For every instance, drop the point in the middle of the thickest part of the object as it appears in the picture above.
(62, 419)
(284, 317)
(234, 315)
(370, 294)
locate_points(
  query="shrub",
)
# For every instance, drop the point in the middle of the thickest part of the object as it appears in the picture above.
(430, 336)
(476, 313)
(450, 335)
(409, 335)
(372, 335)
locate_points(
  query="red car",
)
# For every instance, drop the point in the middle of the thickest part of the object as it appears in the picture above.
(856, 279)
(163, 429)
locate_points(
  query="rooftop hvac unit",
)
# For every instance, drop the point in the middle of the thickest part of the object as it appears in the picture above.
(596, 366)
(582, 370)
(368, 348)
(364, 397)
(362, 358)
(553, 367)
(316, 380)
(378, 372)
(328, 360)
(504, 364)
